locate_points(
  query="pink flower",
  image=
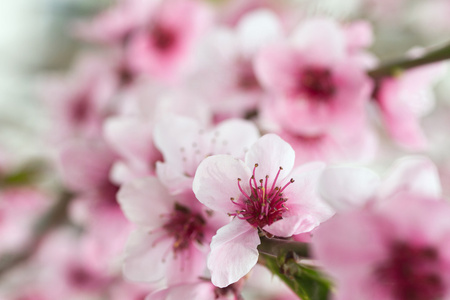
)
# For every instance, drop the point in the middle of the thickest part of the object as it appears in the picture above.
(20, 208)
(226, 76)
(132, 139)
(163, 46)
(200, 290)
(264, 195)
(317, 85)
(184, 143)
(336, 145)
(172, 235)
(396, 251)
(80, 103)
(404, 100)
(348, 188)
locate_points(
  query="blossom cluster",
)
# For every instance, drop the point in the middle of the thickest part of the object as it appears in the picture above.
(192, 132)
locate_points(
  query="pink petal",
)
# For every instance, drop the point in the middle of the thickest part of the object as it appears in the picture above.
(349, 243)
(187, 266)
(130, 137)
(292, 225)
(270, 152)
(237, 137)
(233, 252)
(216, 179)
(303, 196)
(321, 41)
(122, 172)
(197, 291)
(275, 68)
(144, 256)
(415, 174)
(174, 136)
(144, 200)
(346, 188)
(173, 178)
(85, 164)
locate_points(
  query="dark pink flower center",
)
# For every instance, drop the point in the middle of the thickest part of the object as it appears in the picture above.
(82, 278)
(246, 78)
(162, 37)
(80, 107)
(264, 205)
(185, 226)
(316, 83)
(412, 273)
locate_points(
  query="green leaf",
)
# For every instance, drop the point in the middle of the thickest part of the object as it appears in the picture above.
(306, 282)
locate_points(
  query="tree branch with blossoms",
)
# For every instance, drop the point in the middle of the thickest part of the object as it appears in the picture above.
(396, 67)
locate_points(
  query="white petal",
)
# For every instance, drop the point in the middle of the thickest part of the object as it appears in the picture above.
(173, 178)
(303, 192)
(290, 226)
(257, 29)
(144, 256)
(143, 201)
(130, 137)
(174, 136)
(188, 266)
(216, 181)
(199, 291)
(270, 152)
(345, 188)
(233, 252)
(235, 136)
(321, 41)
(415, 174)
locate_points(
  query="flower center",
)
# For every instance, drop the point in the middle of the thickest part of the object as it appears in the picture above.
(317, 83)
(185, 227)
(162, 37)
(246, 78)
(80, 108)
(265, 204)
(411, 273)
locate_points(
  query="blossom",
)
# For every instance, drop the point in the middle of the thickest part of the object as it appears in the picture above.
(404, 99)
(172, 235)
(347, 187)
(79, 104)
(201, 290)
(184, 143)
(263, 194)
(163, 46)
(398, 250)
(226, 74)
(316, 83)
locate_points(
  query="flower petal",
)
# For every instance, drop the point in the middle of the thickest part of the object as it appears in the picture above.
(414, 174)
(144, 256)
(130, 137)
(175, 135)
(236, 137)
(215, 181)
(345, 188)
(303, 196)
(143, 201)
(292, 225)
(270, 152)
(233, 252)
(258, 28)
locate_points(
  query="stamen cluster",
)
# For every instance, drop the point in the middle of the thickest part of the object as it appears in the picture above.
(185, 226)
(411, 273)
(317, 83)
(264, 205)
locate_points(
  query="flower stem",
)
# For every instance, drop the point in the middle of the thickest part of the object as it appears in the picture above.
(276, 247)
(394, 67)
